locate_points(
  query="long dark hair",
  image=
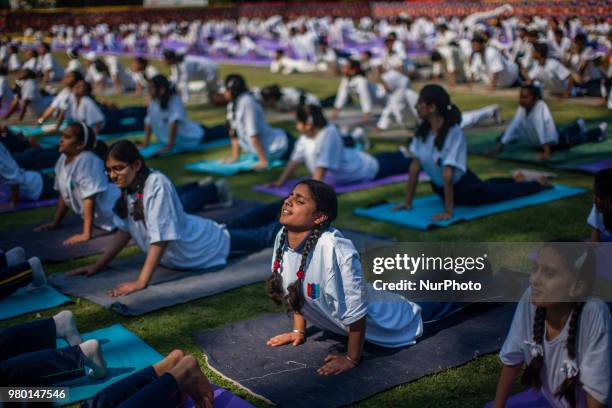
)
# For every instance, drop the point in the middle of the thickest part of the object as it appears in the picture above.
(158, 82)
(327, 203)
(436, 95)
(582, 260)
(603, 190)
(85, 134)
(127, 152)
(311, 114)
(236, 85)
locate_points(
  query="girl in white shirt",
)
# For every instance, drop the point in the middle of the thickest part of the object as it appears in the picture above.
(14, 63)
(61, 101)
(440, 149)
(560, 333)
(29, 97)
(321, 148)
(51, 70)
(185, 69)
(600, 218)
(167, 120)
(490, 66)
(249, 129)
(316, 273)
(150, 212)
(354, 81)
(285, 98)
(534, 123)
(82, 183)
(142, 73)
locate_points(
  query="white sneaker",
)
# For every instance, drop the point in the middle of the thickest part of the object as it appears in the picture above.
(603, 126)
(205, 181)
(15, 256)
(224, 192)
(497, 117)
(581, 124)
(39, 278)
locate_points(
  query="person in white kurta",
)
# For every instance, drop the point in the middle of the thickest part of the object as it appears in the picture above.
(29, 98)
(401, 99)
(592, 351)
(490, 66)
(30, 183)
(354, 82)
(339, 294)
(51, 69)
(187, 69)
(82, 108)
(550, 72)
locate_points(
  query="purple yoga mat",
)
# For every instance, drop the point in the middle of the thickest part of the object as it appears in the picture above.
(526, 399)
(23, 204)
(284, 190)
(594, 167)
(223, 399)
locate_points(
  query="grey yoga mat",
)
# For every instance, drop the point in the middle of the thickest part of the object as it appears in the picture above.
(170, 287)
(47, 245)
(287, 376)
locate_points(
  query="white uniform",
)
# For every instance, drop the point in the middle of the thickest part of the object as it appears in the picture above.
(586, 59)
(32, 64)
(116, 70)
(194, 69)
(337, 295)
(13, 63)
(49, 63)
(30, 182)
(193, 242)
(74, 65)
(398, 101)
(553, 75)
(537, 127)
(85, 177)
(592, 354)
(62, 99)
(596, 221)
(6, 94)
(30, 92)
(290, 98)
(364, 89)
(86, 110)
(327, 150)
(189, 134)
(494, 63)
(141, 78)
(433, 161)
(248, 120)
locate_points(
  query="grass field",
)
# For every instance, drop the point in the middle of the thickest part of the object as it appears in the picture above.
(469, 385)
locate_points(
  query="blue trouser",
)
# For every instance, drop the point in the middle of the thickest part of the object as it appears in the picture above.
(13, 143)
(470, 190)
(141, 389)
(255, 230)
(194, 196)
(214, 133)
(28, 356)
(392, 163)
(14, 277)
(48, 190)
(573, 135)
(130, 119)
(37, 159)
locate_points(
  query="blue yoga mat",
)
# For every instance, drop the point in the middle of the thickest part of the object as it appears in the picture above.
(245, 163)
(22, 301)
(423, 209)
(150, 150)
(32, 131)
(124, 352)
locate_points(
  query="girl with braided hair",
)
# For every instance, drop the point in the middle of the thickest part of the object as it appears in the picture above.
(82, 183)
(560, 332)
(316, 273)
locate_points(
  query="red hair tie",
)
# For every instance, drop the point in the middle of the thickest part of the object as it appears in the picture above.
(300, 274)
(139, 196)
(276, 265)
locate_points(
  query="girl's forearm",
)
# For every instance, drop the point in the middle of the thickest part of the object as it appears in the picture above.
(60, 211)
(299, 322)
(154, 255)
(504, 386)
(172, 134)
(89, 205)
(120, 240)
(356, 339)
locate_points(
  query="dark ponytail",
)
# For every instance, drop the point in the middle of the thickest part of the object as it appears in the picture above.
(311, 114)
(436, 95)
(127, 152)
(87, 135)
(158, 82)
(327, 203)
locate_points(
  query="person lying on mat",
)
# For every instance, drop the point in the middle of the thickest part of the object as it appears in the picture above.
(559, 332)
(248, 128)
(150, 212)
(534, 123)
(82, 183)
(322, 149)
(164, 384)
(29, 357)
(440, 149)
(16, 272)
(286, 99)
(167, 120)
(355, 81)
(600, 218)
(24, 184)
(317, 274)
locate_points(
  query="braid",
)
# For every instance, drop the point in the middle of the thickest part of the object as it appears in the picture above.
(138, 211)
(121, 208)
(274, 282)
(531, 375)
(567, 389)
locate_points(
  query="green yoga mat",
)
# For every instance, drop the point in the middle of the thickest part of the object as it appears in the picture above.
(569, 159)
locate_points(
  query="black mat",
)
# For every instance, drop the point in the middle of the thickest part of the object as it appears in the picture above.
(287, 376)
(47, 245)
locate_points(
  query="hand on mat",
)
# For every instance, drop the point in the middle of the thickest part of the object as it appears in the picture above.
(126, 288)
(442, 216)
(228, 160)
(84, 270)
(77, 239)
(46, 227)
(260, 166)
(286, 338)
(335, 364)
(404, 206)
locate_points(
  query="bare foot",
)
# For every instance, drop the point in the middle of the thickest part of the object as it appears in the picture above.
(519, 177)
(193, 382)
(169, 362)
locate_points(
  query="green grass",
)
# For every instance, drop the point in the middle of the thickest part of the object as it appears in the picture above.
(470, 385)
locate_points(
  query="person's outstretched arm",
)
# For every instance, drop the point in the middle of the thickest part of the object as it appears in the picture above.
(120, 240)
